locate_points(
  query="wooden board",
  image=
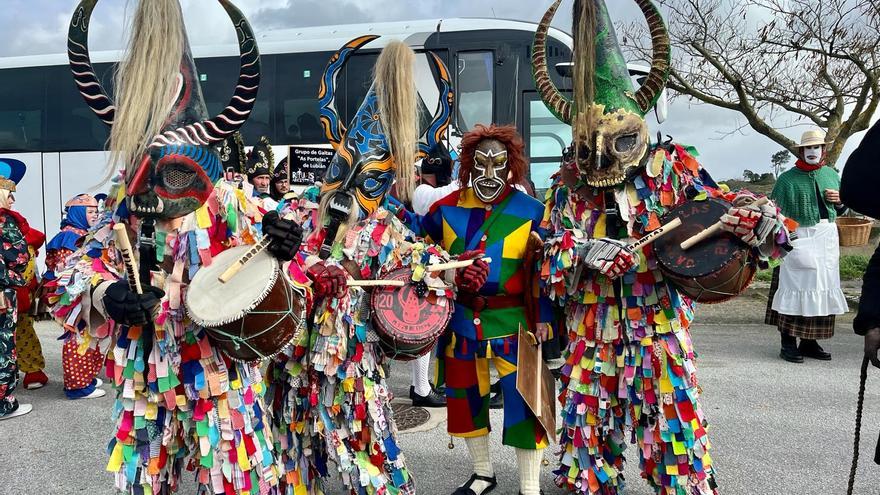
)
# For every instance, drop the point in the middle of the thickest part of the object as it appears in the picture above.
(535, 382)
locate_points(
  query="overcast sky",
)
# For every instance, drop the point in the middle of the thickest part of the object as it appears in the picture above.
(40, 26)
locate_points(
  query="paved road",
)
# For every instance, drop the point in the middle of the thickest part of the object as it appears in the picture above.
(777, 428)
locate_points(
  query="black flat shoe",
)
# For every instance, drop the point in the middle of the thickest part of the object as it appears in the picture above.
(433, 399)
(812, 349)
(497, 401)
(791, 355)
(466, 488)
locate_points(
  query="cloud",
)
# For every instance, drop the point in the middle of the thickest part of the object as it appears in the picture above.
(40, 26)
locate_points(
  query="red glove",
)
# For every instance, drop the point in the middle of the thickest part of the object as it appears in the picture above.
(327, 280)
(472, 277)
(752, 224)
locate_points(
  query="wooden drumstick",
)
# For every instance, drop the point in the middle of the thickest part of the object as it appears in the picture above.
(124, 245)
(400, 283)
(712, 230)
(375, 283)
(234, 268)
(453, 265)
(656, 234)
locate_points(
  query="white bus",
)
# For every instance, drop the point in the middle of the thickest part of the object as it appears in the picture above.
(45, 123)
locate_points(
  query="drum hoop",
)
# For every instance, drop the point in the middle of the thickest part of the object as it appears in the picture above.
(389, 346)
(238, 340)
(270, 284)
(727, 295)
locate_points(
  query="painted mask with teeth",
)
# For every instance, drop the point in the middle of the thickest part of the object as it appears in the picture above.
(490, 170)
(170, 168)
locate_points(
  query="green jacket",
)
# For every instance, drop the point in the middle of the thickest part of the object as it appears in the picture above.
(796, 194)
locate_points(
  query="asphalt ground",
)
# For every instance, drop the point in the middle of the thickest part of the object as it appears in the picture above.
(776, 427)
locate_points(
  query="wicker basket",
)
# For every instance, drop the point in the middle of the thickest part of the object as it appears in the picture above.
(854, 231)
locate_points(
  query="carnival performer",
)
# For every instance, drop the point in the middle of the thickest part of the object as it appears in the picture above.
(260, 163)
(493, 218)
(280, 181)
(233, 159)
(27, 345)
(630, 361)
(180, 403)
(857, 191)
(81, 362)
(435, 177)
(330, 400)
(805, 293)
(14, 250)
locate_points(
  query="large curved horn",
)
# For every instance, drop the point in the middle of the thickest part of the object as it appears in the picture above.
(648, 94)
(442, 116)
(216, 129)
(333, 126)
(81, 65)
(553, 98)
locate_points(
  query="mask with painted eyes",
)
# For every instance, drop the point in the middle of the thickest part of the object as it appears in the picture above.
(362, 170)
(175, 174)
(364, 167)
(490, 170)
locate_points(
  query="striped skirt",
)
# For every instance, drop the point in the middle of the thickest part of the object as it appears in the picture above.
(805, 327)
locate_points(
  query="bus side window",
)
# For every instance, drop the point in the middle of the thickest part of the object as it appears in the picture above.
(22, 108)
(299, 77)
(71, 124)
(474, 85)
(218, 77)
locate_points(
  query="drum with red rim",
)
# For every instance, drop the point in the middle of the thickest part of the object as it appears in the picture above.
(408, 325)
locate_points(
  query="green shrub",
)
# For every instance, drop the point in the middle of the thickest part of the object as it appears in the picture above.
(852, 267)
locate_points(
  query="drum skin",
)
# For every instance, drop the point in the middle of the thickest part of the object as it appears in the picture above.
(253, 316)
(408, 326)
(716, 269)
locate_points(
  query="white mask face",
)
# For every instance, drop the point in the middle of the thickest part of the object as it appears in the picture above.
(812, 154)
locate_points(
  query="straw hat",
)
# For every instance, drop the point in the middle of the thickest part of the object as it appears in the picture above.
(814, 137)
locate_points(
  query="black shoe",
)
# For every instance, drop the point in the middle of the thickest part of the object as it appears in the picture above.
(433, 399)
(812, 349)
(557, 372)
(791, 355)
(467, 490)
(497, 401)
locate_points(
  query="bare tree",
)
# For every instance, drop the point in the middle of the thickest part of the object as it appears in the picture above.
(777, 62)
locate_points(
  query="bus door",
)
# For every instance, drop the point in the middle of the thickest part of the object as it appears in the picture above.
(546, 138)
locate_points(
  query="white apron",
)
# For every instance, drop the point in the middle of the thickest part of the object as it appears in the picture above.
(809, 278)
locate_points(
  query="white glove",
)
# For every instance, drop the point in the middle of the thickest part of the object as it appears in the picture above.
(610, 257)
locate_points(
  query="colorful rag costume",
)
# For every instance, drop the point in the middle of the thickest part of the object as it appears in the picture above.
(81, 359)
(180, 403)
(330, 400)
(14, 249)
(630, 364)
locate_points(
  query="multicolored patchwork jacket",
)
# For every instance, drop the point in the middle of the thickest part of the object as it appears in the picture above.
(461, 222)
(183, 404)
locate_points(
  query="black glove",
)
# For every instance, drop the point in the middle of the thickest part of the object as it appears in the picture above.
(286, 236)
(130, 308)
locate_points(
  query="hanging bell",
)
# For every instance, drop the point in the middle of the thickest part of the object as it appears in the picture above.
(451, 445)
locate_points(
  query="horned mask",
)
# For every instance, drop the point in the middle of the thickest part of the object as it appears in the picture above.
(609, 132)
(383, 140)
(160, 129)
